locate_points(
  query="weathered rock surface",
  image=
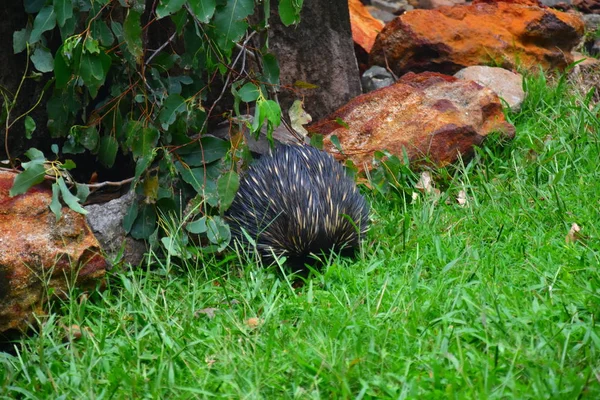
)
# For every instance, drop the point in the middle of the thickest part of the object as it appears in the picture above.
(506, 84)
(106, 222)
(38, 253)
(364, 27)
(429, 115)
(503, 33)
(431, 4)
(587, 6)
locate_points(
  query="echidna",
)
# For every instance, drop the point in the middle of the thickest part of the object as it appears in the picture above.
(298, 201)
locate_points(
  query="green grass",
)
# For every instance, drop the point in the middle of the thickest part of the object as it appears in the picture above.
(444, 301)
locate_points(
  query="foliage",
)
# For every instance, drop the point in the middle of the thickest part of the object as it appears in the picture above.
(446, 300)
(140, 79)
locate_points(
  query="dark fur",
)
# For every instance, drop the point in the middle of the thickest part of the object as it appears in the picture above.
(296, 202)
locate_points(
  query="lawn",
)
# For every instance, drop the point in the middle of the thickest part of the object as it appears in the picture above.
(489, 299)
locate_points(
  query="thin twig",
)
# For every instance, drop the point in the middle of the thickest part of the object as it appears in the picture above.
(161, 48)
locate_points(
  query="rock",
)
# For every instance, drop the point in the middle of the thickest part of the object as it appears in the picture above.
(375, 78)
(587, 6)
(106, 221)
(503, 33)
(323, 32)
(364, 27)
(428, 115)
(381, 15)
(39, 255)
(394, 7)
(585, 76)
(506, 84)
(431, 4)
(552, 3)
(592, 22)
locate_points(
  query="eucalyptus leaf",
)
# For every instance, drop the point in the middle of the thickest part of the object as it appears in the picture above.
(227, 186)
(70, 200)
(29, 126)
(55, 205)
(42, 60)
(203, 9)
(44, 21)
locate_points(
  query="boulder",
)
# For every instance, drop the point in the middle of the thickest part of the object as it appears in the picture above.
(506, 84)
(40, 255)
(375, 78)
(507, 33)
(587, 6)
(106, 222)
(431, 4)
(429, 115)
(364, 27)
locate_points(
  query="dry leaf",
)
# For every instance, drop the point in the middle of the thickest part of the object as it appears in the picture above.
(299, 117)
(573, 234)
(209, 312)
(72, 333)
(253, 322)
(462, 199)
(425, 184)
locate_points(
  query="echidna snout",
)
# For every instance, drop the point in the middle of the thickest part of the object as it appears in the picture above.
(298, 201)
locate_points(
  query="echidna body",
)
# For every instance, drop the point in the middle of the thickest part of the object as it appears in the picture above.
(298, 201)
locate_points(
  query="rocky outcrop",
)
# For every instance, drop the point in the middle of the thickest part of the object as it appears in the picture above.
(507, 33)
(587, 6)
(431, 116)
(40, 255)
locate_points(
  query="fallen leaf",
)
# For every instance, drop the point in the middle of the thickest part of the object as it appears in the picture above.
(573, 234)
(253, 322)
(462, 199)
(209, 312)
(72, 333)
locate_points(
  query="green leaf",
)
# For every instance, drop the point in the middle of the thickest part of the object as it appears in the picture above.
(55, 205)
(168, 7)
(29, 126)
(63, 10)
(44, 21)
(70, 200)
(108, 151)
(20, 39)
(143, 163)
(35, 156)
(175, 104)
(88, 137)
(33, 6)
(229, 22)
(227, 187)
(68, 165)
(272, 111)
(31, 176)
(249, 92)
(132, 33)
(42, 60)
(90, 69)
(218, 232)
(145, 223)
(83, 191)
(289, 11)
(197, 227)
(101, 31)
(208, 150)
(130, 217)
(140, 139)
(62, 72)
(203, 9)
(271, 69)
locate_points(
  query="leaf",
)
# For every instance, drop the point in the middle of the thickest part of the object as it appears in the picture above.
(29, 126)
(70, 200)
(34, 155)
(208, 150)
(42, 60)
(289, 11)
(89, 137)
(227, 187)
(218, 232)
(145, 223)
(130, 217)
(175, 104)
(20, 39)
(143, 163)
(108, 151)
(31, 176)
(33, 6)
(197, 227)
(63, 10)
(271, 111)
(101, 31)
(44, 21)
(203, 9)
(168, 7)
(90, 69)
(299, 117)
(141, 140)
(229, 22)
(83, 191)
(62, 72)
(271, 69)
(574, 234)
(55, 205)
(132, 33)
(249, 92)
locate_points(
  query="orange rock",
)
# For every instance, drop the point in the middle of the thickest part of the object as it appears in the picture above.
(506, 33)
(430, 116)
(364, 27)
(39, 255)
